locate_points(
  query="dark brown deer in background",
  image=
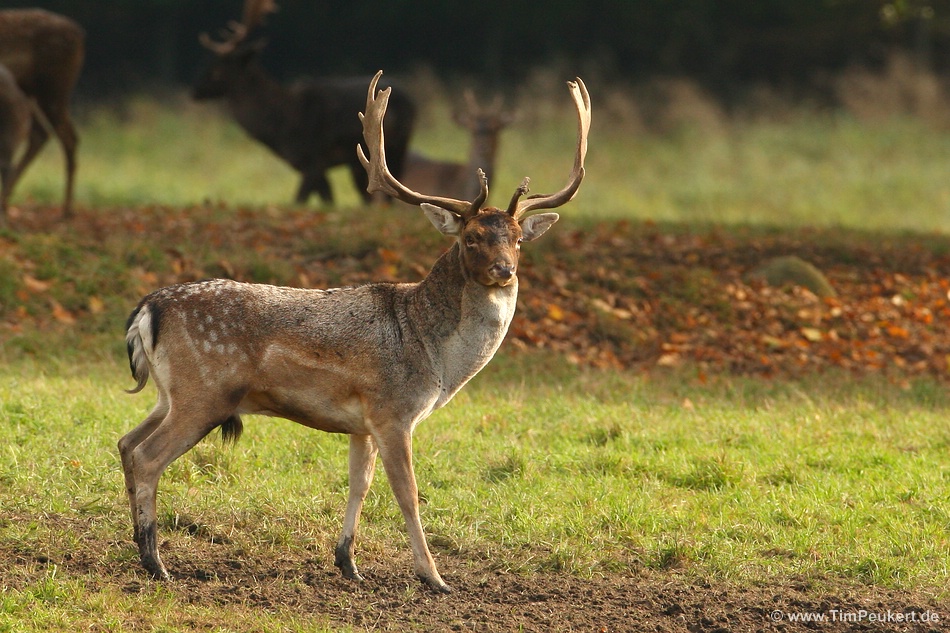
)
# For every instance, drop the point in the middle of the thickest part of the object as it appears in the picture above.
(460, 180)
(44, 51)
(15, 115)
(369, 361)
(312, 125)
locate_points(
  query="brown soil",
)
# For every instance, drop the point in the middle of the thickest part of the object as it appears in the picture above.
(485, 598)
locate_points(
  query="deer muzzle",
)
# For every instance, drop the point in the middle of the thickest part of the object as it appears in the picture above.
(502, 272)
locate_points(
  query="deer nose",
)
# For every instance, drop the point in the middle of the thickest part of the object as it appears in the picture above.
(502, 271)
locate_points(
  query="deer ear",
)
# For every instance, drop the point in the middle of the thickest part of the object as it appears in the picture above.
(534, 226)
(447, 222)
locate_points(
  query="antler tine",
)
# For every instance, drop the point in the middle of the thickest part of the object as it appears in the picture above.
(520, 191)
(470, 101)
(497, 106)
(256, 10)
(254, 13)
(551, 201)
(466, 112)
(218, 48)
(380, 178)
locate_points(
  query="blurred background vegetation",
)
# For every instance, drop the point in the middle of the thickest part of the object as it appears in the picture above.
(805, 113)
(725, 45)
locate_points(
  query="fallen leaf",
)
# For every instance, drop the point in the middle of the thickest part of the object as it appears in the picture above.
(61, 314)
(35, 285)
(812, 334)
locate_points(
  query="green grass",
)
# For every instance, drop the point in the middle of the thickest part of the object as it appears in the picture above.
(578, 471)
(813, 169)
(533, 467)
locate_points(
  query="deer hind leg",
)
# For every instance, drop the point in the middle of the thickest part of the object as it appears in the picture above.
(38, 137)
(128, 443)
(395, 448)
(66, 132)
(177, 433)
(362, 467)
(6, 173)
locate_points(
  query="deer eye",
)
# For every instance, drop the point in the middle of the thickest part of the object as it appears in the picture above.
(471, 241)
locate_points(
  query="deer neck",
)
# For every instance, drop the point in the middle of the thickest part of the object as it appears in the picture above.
(259, 105)
(460, 322)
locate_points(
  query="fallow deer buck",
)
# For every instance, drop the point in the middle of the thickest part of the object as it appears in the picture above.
(444, 178)
(310, 124)
(45, 52)
(371, 361)
(15, 114)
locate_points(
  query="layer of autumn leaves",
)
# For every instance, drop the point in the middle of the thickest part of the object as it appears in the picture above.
(647, 298)
(614, 294)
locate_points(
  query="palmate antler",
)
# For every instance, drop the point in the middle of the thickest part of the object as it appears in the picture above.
(381, 179)
(518, 208)
(254, 13)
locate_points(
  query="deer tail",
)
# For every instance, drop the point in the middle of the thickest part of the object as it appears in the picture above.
(138, 331)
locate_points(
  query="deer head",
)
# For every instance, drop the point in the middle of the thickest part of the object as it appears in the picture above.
(479, 119)
(489, 239)
(234, 51)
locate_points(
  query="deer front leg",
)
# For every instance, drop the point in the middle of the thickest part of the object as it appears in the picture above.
(362, 467)
(314, 182)
(396, 451)
(69, 139)
(38, 138)
(361, 180)
(6, 174)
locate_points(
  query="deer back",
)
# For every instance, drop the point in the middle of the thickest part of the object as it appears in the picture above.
(279, 349)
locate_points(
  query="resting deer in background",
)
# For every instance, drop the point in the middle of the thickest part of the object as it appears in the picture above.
(443, 178)
(15, 114)
(310, 125)
(371, 361)
(44, 51)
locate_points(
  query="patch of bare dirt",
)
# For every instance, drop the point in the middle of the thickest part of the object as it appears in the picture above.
(486, 598)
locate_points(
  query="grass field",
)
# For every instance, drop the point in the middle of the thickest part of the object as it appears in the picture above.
(538, 470)
(809, 169)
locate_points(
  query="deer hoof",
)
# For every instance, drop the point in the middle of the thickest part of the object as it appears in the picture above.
(437, 586)
(147, 538)
(344, 560)
(350, 573)
(156, 569)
